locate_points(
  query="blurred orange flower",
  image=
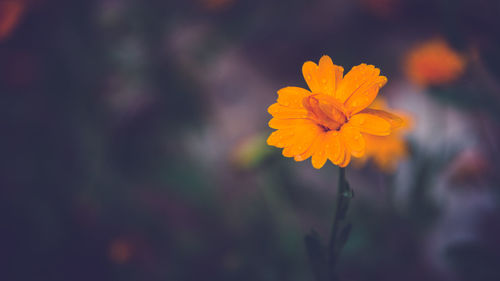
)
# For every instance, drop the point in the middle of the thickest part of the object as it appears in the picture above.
(433, 63)
(388, 151)
(329, 121)
(10, 14)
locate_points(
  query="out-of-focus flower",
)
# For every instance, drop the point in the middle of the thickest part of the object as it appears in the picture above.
(250, 152)
(329, 121)
(433, 63)
(120, 250)
(11, 12)
(388, 151)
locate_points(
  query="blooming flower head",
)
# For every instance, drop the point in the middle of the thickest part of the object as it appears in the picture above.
(388, 151)
(433, 63)
(329, 120)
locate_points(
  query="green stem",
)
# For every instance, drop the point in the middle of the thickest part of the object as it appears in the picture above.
(335, 244)
(323, 260)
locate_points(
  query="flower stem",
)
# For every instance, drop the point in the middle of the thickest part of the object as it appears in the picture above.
(324, 259)
(340, 229)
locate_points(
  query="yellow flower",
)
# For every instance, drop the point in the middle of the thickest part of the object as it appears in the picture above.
(327, 122)
(433, 63)
(388, 151)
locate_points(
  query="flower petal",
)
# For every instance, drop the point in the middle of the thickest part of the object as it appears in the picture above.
(322, 78)
(360, 78)
(364, 96)
(318, 159)
(283, 112)
(347, 159)
(342, 153)
(370, 124)
(331, 75)
(306, 154)
(325, 108)
(278, 123)
(303, 138)
(292, 96)
(353, 140)
(393, 119)
(332, 146)
(280, 138)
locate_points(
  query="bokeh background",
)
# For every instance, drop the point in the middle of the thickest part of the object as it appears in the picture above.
(133, 140)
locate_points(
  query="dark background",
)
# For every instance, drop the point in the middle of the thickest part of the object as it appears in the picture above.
(133, 141)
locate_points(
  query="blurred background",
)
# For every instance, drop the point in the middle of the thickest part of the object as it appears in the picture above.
(133, 140)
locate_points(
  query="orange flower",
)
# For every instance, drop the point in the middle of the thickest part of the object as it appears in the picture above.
(387, 151)
(328, 121)
(433, 63)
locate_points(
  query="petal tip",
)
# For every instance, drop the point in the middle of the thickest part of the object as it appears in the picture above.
(383, 81)
(317, 165)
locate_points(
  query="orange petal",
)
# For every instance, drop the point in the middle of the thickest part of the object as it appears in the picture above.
(353, 140)
(280, 138)
(393, 119)
(303, 138)
(331, 75)
(318, 159)
(277, 123)
(360, 78)
(322, 78)
(341, 156)
(326, 108)
(310, 151)
(283, 112)
(332, 146)
(364, 96)
(347, 159)
(370, 124)
(292, 96)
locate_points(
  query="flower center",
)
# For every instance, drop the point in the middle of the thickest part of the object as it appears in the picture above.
(326, 111)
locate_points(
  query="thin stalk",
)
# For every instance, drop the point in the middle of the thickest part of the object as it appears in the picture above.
(323, 260)
(334, 245)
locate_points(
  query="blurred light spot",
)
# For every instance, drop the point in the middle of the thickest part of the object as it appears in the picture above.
(120, 251)
(383, 9)
(250, 152)
(216, 5)
(11, 12)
